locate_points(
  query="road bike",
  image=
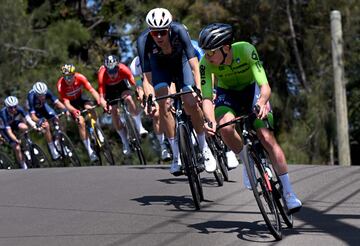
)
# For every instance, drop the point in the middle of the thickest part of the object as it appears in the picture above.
(64, 145)
(132, 132)
(97, 136)
(191, 158)
(34, 156)
(265, 183)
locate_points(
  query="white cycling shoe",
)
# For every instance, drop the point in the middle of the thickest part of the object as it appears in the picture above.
(126, 150)
(165, 155)
(232, 161)
(175, 167)
(293, 203)
(143, 132)
(209, 160)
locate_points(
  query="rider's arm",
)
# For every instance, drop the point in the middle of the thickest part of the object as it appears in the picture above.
(11, 135)
(100, 77)
(92, 91)
(260, 78)
(194, 64)
(148, 88)
(34, 117)
(127, 73)
(69, 106)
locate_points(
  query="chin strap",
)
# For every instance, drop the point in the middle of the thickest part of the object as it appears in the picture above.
(224, 56)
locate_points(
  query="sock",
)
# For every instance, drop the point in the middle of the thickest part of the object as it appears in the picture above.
(123, 136)
(202, 141)
(174, 147)
(52, 148)
(137, 119)
(160, 138)
(88, 146)
(285, 180)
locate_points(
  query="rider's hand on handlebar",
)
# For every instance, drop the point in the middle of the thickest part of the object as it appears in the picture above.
(76, 113)
(262, 110)
(210, 127)
(108, 108)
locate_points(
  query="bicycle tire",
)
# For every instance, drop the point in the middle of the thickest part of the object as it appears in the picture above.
(5, 162)
(222, 160)
(187, 155)
(217, 173)
(67, 147)
(281, 203)
(105, 146)
(38, 157)
(263, 196)
(134, 138)
(219, 176)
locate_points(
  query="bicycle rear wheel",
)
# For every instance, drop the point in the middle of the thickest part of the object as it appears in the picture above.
(187, 155)
(67, 150)
(105, 146)
(38, 157)
(263, 193)
(134, 138)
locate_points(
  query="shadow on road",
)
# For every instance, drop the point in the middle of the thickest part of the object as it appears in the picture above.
(179, 202)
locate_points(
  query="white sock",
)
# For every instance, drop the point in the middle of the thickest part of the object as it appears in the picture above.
(160, 138)
(52, 148)
(137, 119)
(285, 180)
(123, 136)
(174, 147)
(88, 146)
(202, 141)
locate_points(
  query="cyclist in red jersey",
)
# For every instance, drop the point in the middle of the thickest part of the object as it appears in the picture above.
(70, 87)
(115, 80)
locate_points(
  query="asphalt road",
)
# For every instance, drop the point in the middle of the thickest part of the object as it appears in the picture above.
(134, 205)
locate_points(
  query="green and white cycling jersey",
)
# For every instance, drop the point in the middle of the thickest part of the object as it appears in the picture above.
(237, 84)
(244, 70)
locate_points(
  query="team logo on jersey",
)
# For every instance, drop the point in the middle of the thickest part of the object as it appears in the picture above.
(254, 56)
(202, 71)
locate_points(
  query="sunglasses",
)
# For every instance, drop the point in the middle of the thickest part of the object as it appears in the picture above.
(159, 33)
(210, 53)
(12, 107)
(68, 77)
(112, 71)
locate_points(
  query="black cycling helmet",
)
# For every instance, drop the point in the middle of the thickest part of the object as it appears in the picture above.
(215, 35)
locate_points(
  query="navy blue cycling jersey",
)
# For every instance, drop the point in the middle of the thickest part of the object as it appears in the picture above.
(7, 119)
(34, 103)
(180, 44)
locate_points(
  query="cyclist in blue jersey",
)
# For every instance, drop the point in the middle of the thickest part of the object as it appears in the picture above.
(41, 112)
(12, 119)
(167, 56)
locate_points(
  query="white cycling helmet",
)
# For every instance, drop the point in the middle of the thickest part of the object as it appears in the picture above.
(159, 18)
(11, 101)
(111, 62)
(40, 88)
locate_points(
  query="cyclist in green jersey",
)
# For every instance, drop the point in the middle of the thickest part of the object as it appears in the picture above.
(241, 84)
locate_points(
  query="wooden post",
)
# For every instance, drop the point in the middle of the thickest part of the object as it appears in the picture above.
(340, 90)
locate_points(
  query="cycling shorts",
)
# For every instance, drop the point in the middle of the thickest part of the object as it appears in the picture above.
(240, 103)
(80, 102)
(114, 91)
(46, 112)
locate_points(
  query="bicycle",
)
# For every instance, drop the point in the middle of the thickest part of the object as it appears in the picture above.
(64, 145)
(97, 137)
(34, 156)
(132, 132)
(190, 157)
(218, 149)
(267, 188)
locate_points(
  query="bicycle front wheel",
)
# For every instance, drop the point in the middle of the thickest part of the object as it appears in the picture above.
(67, 151)
(134, 139)
(105, 146)
(263, 192)
(38, 157)
(187, 155)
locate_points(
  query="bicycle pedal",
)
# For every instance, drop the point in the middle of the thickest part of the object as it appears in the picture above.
(200, 167)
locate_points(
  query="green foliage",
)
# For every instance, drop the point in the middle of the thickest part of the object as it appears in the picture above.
(37, 37)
